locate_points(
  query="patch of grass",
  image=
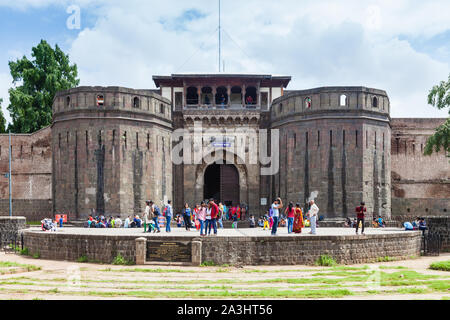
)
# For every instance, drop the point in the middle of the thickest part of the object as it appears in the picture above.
(266, 293)
(83, 259)
(393, 268)
(411, 291)
(340, 274)
(442, 285)
(37, 255)
(143, 270)
(119, 260)
(385, 259)
(55, 291)
(345, 268)
(326, 261)
(441, 266)
(33, 223)
(28, 267)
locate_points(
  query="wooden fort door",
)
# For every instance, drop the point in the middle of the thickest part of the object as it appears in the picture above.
(222, 183)
(229, 187)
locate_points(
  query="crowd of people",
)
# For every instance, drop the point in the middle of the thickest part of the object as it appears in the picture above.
(208, 217)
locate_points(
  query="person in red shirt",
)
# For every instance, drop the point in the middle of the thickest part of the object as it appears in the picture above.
(360, 216)
(290, 213)
(214, 214)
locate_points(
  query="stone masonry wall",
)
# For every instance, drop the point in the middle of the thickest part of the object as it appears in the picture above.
(336, 148)
(306, 250)
(11, 225)
(68, 247)
(113, 156)
(233, 250)
(420, 184)
(31, 174)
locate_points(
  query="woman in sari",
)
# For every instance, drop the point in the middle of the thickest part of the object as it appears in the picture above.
(298, 219)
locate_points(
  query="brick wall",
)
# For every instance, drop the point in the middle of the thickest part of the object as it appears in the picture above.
(420, 184)
(31, 174)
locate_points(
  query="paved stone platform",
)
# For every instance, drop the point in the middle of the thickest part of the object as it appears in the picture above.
(178, 232)
(231, 246)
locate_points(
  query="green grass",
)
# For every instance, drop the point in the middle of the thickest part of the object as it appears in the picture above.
(33, 223)
(442, 285)
(411, 291)
(385, 259)
(83, 259)
(119, 260)
(144, 270)
(441, 266)
(326, 261)
(266, 293)
(392, 268)
(28, 267)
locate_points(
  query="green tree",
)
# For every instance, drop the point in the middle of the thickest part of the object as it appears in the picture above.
(2, 119)
(36, 83)
(439, 97)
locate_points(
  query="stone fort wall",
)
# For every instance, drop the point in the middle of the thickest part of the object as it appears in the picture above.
(31, 169)
(420, 184)
(110, 157)
(115, 156)
(334, 144)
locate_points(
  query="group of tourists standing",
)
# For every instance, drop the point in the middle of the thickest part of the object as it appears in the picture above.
(294, 216)
(153, 213)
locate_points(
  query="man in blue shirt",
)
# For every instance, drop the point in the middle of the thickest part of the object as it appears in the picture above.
(169, 215)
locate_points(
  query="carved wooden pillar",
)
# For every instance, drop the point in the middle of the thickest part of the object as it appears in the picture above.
(199, 94)
(258, 95)
(184, 95)
(214, 92)
(229, 96)
(243, 95)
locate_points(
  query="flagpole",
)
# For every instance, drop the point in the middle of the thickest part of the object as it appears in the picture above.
(220, 37)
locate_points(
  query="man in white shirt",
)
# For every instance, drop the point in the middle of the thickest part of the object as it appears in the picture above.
(313, 214)
(147, 217)
(118, 222)
(276, 206)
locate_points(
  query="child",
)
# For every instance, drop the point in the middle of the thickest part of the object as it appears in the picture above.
(266, 223)
(179, 221)
(235, 220)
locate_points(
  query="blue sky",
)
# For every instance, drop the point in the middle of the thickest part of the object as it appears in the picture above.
(400, 46)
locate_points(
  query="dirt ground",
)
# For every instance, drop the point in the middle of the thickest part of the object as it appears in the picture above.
(60, 280)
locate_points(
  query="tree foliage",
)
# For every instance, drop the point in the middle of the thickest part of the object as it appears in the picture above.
(36, 83)
(439, 97)
(2, 119)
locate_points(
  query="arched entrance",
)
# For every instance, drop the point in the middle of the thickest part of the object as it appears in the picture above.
(221, 182)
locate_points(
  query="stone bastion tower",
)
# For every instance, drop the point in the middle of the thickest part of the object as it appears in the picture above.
(335, 146)
(111, 151)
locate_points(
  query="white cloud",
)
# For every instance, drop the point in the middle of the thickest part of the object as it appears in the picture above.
(319, 43)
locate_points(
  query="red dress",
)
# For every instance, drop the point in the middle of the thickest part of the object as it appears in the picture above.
(298, 221)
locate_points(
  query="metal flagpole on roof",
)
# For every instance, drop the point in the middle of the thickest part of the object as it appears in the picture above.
(220, 36)
(9, 176)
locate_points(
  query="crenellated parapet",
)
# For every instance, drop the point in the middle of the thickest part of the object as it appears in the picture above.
(111, 101)
(328, 100)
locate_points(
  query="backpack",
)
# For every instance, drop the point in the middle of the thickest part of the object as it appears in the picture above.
(157, 211)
